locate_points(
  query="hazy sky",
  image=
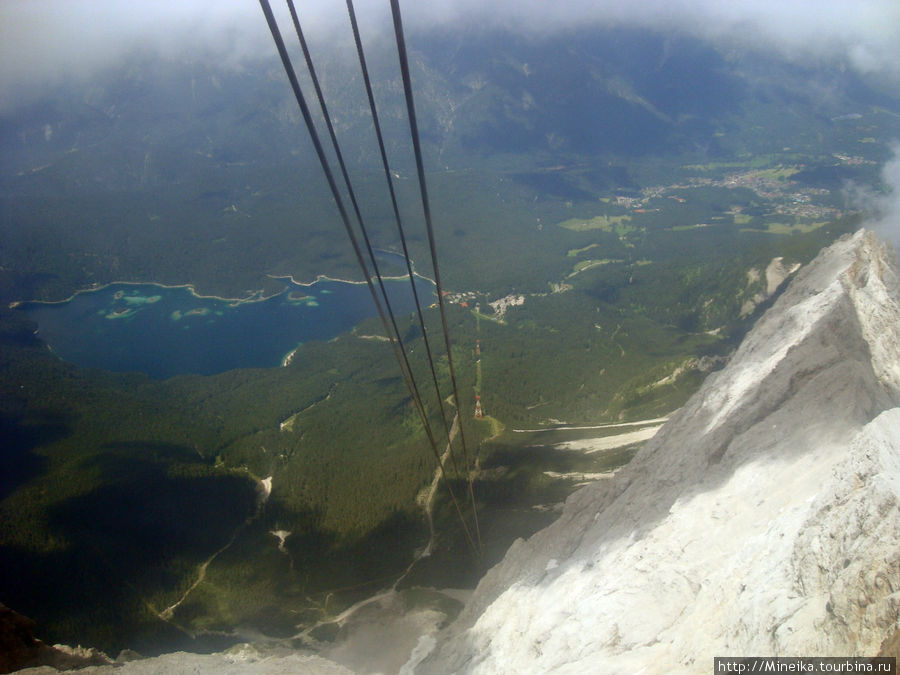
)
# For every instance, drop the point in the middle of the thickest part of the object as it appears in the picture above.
(44, 40)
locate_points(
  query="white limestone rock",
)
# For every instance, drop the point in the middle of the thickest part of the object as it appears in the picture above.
(236, 661)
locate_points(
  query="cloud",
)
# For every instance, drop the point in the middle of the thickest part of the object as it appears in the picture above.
(865, 32)
(880, 206)
(45, 41)
(887, 223)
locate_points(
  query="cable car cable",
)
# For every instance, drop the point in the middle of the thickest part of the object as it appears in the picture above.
(420, 168)
(304, 109)
(390, 183)
(414, 389)
(372, 258)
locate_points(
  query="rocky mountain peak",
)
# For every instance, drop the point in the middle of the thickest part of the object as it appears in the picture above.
(762, 519)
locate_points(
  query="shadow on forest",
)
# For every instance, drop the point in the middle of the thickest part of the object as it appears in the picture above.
(145, 515)
(147, 510)
(22, 432)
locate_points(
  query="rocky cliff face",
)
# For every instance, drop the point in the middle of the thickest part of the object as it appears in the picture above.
(20, 649)
(763, 519)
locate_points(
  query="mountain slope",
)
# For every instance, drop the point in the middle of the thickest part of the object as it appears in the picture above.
(762, 519)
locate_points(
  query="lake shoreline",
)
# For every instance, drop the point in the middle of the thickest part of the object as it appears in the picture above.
(255, 296)
(165, 330)
(325, 277)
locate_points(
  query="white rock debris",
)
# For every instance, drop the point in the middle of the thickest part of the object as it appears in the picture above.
(776, 274)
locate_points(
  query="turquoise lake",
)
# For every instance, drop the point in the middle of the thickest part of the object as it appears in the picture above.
(165, 331)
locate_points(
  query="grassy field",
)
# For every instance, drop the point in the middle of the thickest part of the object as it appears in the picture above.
(618, 224)
(789, 228)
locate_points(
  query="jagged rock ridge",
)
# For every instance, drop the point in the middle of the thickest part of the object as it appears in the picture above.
(762, 519)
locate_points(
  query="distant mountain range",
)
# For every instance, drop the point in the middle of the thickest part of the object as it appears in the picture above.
(599, 94)
(162, 170)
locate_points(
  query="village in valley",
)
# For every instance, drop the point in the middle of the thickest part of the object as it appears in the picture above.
(784, 197)
(767, 200)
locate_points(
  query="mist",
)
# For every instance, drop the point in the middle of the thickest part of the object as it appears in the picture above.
(46, 42)
(887, 222)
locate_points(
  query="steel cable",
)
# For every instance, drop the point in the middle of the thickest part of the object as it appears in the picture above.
(400, 231)
(420, 168)
(323, 161)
